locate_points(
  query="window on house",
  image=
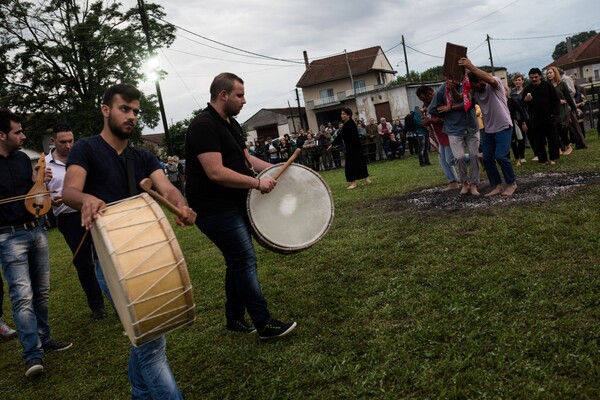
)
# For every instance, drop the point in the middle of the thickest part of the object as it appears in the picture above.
(326, 95)
(360, 86)
(596, 68)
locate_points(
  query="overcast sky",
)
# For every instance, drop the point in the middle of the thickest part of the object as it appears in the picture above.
(284, 29)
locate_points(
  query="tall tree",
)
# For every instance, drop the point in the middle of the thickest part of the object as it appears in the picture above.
(178, 131)
(57, 58)
(561, 48)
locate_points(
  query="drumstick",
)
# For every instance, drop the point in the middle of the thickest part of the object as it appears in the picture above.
(146, 184)
(287, 163)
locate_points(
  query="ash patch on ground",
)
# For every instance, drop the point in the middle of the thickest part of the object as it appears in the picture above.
(535, 188)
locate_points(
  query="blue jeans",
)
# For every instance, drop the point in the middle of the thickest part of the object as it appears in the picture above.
(230, 233)
(26, 267)
(149, 373)
(496, 148)
(447, 162)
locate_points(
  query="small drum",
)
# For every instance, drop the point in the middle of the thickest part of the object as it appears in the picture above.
(144, 268)
(293, 216)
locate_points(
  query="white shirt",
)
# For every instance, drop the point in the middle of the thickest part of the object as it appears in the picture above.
(59, 170)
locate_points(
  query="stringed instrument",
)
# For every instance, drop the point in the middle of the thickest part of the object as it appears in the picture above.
(38, 200)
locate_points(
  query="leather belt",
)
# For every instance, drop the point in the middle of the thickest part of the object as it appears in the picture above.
(27, 226)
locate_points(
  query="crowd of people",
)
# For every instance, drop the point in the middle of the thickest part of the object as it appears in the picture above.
(469, 123)
(86, 175)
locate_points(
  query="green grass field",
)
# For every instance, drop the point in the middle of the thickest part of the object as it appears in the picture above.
(499, 302)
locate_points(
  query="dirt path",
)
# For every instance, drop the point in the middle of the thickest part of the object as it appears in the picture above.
(533, 188)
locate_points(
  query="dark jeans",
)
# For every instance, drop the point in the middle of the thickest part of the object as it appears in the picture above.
(230, 232)
(423, 149)
(69, 224)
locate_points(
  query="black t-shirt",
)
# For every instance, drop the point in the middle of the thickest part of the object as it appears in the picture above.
(106, 170)
(16, 172)
(208, 133)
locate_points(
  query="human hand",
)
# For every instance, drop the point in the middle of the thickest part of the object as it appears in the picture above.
(266, 184)
(528, 97)
(56, 201)
(465, 62)
(187, 217)
(91, 210)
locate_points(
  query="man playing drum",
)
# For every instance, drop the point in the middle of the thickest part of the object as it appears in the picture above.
(220, 172)
(97, 174)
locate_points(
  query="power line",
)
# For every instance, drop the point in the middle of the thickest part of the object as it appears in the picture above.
(539, 37)
(228, 46)
(232, 61)
(180, 78)
(420, 52)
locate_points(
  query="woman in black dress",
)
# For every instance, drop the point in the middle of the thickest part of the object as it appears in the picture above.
(355, 167)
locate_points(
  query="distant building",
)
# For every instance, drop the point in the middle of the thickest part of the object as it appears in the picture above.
(331, 83)
(275, 122)
(583, 61)
(153, 142)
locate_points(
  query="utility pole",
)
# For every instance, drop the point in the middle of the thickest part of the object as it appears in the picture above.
(163, 115)
(299, 110)
(292, 115)
(405, 60)
(490, 51)
(350, 71)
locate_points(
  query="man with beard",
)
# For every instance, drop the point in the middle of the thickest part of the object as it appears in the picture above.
(97, 174)
(542, 104)
(220, 172)
(24, 249)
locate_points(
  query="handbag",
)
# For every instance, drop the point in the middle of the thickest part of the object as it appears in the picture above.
(518, 132)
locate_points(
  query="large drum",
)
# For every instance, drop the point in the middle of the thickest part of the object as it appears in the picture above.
(293, 216)
(144, 268)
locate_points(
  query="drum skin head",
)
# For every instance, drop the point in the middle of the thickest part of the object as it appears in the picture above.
(293, 216)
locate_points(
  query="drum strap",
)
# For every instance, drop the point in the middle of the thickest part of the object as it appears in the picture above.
(130, 171)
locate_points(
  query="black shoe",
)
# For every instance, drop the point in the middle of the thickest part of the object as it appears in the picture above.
(34, 367)
(275, 329)
(240, 325)
(99, 313)
(55, 345)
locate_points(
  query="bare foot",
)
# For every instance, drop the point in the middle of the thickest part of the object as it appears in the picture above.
(535, 158)
(495, 191)
(551, 162)
(567, 151)
(523, 161)
(451, 186)
(352, 186)
(474, 191)
(518, 163)
(368, 181)
(465, 189)
(510, 189)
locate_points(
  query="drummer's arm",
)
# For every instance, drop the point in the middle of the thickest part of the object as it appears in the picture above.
(212, 163)
(171, 193)
(74, 197)
(258, 164)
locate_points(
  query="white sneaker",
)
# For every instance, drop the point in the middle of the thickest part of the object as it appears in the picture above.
(6, 332)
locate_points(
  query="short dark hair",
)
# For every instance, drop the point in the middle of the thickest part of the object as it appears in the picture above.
(56, 129)
(126, 91)
(5, 118)
(473, 78)
(347, 111)
(223, 81)
(424, 89)
(534, 71)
